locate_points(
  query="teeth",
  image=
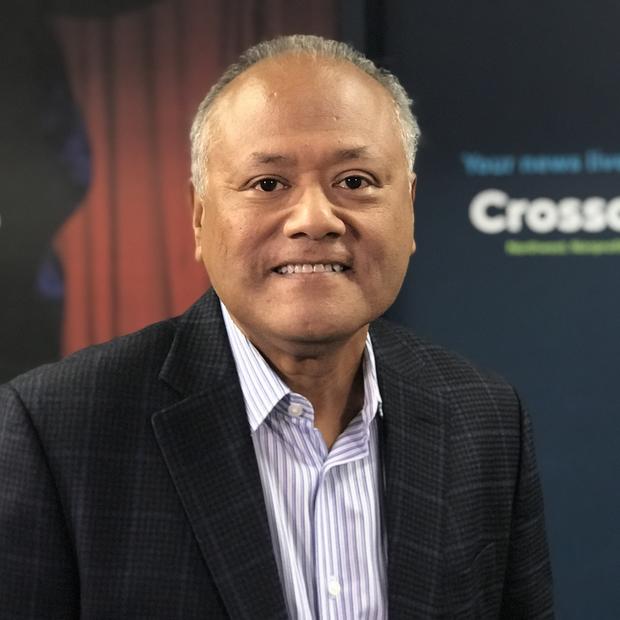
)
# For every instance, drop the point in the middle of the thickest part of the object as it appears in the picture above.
(311, 268)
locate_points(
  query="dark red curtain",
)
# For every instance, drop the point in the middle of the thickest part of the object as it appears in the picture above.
(138, 77)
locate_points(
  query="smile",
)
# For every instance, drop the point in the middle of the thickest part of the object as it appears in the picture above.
(311, 268)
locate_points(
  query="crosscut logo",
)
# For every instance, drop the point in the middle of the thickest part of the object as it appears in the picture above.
(545, 226)
(493, 211)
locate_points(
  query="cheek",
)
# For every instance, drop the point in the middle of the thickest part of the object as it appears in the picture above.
(393, 233)
(232, 246)
(216, 242)
(390, 250)
(220, 235)
(403, 231)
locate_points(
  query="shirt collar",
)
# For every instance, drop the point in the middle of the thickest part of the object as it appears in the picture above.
(263, 389)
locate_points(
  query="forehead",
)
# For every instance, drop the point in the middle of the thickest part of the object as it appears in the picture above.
(303, 94)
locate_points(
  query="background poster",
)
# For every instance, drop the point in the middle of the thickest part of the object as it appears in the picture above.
(518, 231)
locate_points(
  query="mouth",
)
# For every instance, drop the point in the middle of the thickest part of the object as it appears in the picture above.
(308, 268)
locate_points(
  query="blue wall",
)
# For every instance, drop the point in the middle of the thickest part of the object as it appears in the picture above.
(525, 100)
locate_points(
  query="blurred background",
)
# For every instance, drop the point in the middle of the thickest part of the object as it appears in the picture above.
(517, 214)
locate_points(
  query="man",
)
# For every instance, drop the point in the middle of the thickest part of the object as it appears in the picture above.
(268, 455)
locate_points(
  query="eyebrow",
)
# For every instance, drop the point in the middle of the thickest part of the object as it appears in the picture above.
(271, 158)
(351, 153)
(260, 157)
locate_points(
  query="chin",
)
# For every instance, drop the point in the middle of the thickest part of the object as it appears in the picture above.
(318, 330)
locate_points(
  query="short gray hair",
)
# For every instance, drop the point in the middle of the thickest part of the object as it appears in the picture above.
(300, 44)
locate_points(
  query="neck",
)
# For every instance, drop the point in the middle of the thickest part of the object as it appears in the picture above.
(330, 377)
(329, 381)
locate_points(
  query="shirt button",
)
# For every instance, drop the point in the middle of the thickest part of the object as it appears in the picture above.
(333, 586)
(295, 409)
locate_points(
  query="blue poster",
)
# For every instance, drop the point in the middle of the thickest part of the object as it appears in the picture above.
(518, 232)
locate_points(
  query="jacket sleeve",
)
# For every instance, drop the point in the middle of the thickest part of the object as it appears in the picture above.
(38, 577)
(528, 588)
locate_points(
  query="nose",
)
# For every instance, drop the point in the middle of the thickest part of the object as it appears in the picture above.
(313, 216)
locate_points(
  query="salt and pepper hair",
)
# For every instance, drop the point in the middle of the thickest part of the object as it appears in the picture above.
(299, 44)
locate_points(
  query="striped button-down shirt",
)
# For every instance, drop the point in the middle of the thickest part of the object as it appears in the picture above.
(324, 507)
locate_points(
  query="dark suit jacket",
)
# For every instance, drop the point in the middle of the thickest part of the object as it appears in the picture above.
(129, 486)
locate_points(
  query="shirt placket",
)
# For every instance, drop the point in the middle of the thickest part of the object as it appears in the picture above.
(332, 584)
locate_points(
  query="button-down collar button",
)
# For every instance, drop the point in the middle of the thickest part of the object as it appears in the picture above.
(295, 409)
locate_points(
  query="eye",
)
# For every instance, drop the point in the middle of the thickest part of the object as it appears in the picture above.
(268, 185)
(354, 181)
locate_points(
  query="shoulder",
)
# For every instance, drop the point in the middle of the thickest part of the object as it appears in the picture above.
(467, 389)
(123, 370)
(126, 380)
(440, 368)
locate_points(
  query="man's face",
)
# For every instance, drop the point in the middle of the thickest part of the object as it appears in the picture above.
(306, 223)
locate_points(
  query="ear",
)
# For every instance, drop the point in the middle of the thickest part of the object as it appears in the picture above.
(414, 182)
(197, 221)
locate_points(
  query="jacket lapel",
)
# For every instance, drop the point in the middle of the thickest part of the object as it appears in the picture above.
(413, 442)
(206, 443)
